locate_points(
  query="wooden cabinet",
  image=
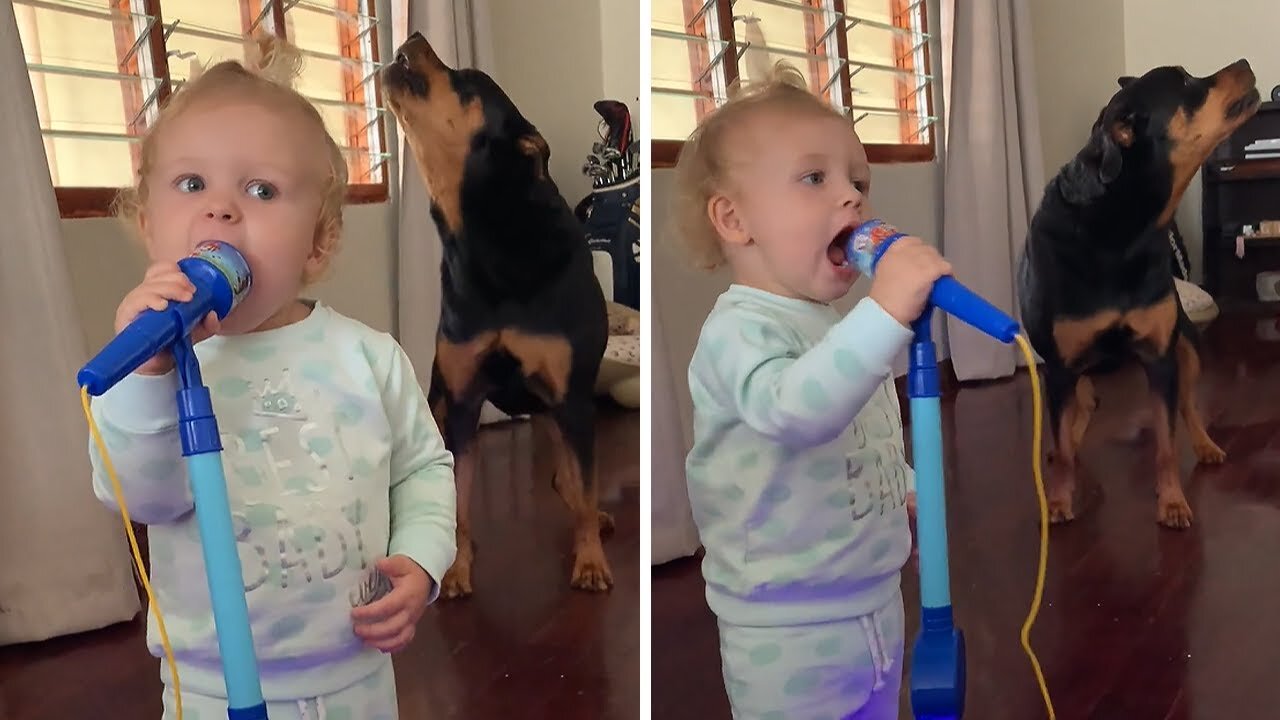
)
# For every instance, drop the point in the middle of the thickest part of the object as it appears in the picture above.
(1239, 192)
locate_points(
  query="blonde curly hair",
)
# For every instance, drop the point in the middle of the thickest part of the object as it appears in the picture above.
(268, 75)
(702, 168)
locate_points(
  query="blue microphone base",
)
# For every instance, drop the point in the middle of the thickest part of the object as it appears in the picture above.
(257, 712)
(938, 668)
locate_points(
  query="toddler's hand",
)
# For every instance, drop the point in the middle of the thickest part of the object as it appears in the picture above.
(904, 277)
(389, 624)
(162, 283)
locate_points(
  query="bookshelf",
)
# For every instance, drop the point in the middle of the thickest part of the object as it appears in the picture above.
(1238, 192)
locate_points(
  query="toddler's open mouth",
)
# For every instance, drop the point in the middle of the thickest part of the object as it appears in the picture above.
(835, 251)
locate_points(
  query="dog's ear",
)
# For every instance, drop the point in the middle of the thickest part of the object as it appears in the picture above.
(1102, 158)
(535, 146)
(1112, 135)
(1124, 80)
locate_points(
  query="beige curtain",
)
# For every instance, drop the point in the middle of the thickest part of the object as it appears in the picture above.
(64, 567)
(459, 32)
(993, 170)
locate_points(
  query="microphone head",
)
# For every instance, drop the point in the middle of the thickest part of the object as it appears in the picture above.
(231, 264)
(868, 241)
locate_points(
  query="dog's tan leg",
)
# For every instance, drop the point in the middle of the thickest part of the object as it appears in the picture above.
(1086, 403)
(457, 582)
(1172, 509)
(579, 492)
(1207, 451)
(1062, 478)
(546, 427)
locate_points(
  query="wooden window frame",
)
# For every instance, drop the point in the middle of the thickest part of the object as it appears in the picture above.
(664, 153)
(96, 202)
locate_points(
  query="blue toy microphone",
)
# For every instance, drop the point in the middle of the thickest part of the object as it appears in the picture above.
(222, 279)
(938, 661)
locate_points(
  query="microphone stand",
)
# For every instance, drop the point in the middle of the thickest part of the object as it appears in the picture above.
(938, 657)
(202, 448)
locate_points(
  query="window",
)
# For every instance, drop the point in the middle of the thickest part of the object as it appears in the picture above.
(100, 69)
(869, 58)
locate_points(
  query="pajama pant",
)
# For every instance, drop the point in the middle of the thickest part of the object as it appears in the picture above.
(848, 669)
(373, 698)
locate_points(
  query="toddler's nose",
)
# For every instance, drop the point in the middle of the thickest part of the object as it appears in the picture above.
(223, 211)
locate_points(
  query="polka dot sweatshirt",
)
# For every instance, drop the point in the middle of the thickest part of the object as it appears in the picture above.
(797, 476)
(332, 460)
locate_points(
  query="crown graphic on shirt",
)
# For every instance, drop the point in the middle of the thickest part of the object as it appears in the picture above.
(279, 400)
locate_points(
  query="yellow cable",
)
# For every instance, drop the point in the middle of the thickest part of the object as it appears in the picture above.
(1042, 569)
(133, 543)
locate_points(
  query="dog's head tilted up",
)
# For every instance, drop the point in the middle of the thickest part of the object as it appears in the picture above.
(1157, 130)
(468, 137)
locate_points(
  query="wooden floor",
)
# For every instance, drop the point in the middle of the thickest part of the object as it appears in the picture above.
(524, 646)
(1138, 622)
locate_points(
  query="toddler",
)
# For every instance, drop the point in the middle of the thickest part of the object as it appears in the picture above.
(338, 478)
(797, 476)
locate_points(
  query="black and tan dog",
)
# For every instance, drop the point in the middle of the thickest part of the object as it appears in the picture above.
(522, 320)
(1095, 285)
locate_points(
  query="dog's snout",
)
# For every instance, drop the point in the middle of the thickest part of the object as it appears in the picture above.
(416, 36)
(1241, 70)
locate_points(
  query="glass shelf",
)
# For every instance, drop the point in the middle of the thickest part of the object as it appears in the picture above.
(376, 162)
(327, 8)
(92, 10)
(671, 51)
(314, 23)
(59, 20)
(89, 104)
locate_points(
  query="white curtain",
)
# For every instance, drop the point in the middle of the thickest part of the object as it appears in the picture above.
(670, 518)
(994, 174)
(459, 32)
(64, 567)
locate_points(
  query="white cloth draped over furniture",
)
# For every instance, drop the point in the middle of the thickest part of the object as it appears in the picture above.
(64, 567)
(673, 533)
(994, 174)
(458, 30)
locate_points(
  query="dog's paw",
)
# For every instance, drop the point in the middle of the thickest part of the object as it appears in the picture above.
(457, 582)
(606, 522)
(1060, 506)
(1060, 512)
(1208, 452)
(1174, 513)
(591, 568)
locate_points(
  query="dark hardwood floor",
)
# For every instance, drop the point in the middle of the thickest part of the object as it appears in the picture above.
(1138, 622)
(525, 645)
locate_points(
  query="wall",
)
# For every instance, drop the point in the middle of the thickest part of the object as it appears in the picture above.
(1202, 37)
(620, 54)
(556, 58)
(1079, 53)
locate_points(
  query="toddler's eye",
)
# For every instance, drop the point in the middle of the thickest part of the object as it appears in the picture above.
(189, 183)
(862, 186)
(814, 178)
(262, 190)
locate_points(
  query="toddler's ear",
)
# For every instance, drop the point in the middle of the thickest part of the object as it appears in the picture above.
(321, 252)
(728, 222)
